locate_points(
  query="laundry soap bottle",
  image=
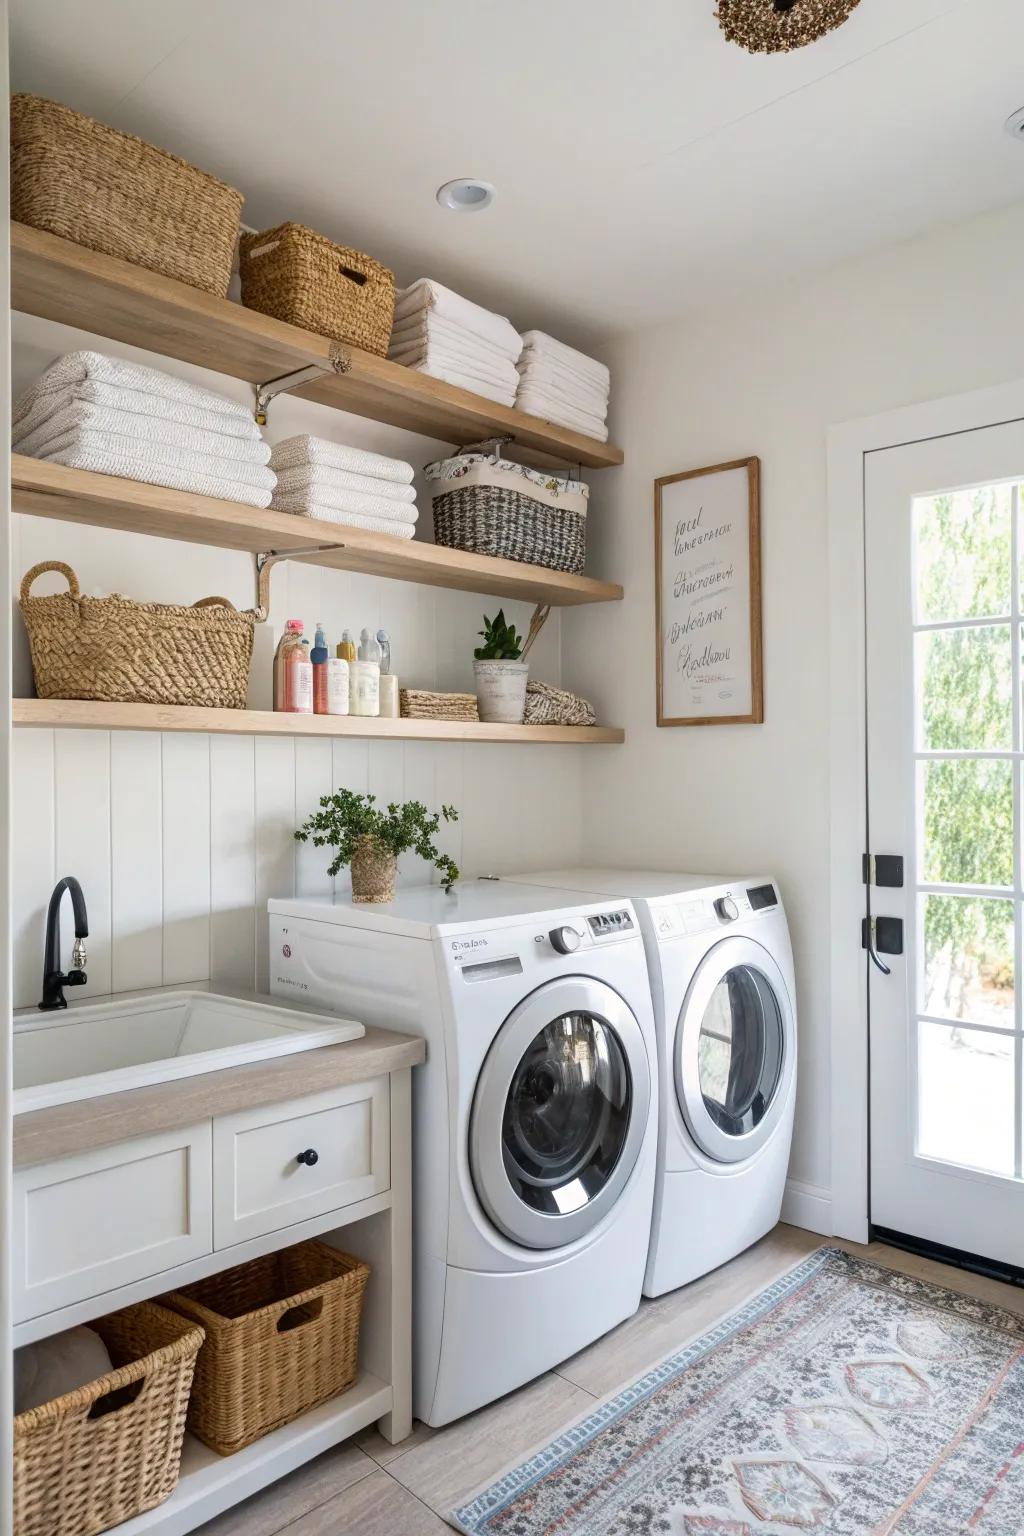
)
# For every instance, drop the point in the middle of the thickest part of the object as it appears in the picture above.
(338, 686)
(292, 636)
(388, 680)
(298, 695)
(346, 647)
(318, 658)
(366, 677)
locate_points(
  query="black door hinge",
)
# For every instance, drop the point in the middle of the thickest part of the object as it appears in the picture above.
(883, 869)
(883, 934)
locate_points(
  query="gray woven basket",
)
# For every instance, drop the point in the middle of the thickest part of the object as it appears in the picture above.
(493, 520)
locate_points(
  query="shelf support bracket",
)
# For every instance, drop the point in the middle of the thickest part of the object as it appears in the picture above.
(340, 362)
(266, 559)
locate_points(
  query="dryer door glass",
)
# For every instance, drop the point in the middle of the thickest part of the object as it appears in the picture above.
(740, 1050)
(566, 1115)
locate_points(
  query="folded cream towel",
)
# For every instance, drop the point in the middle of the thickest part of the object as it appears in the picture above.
(62, 1363)
(80, 414)
(37, 403)
(181, 474)
(540, 344)
(313, 477)
(303, 449)
(426, 294)
(345, 501)
(394, 528)
(76, 367)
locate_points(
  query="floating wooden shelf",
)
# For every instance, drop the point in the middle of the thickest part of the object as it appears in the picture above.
(80, 714)
(62, 281)
(104, 501)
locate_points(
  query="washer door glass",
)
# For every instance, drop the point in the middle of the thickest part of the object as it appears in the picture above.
(566, 1114)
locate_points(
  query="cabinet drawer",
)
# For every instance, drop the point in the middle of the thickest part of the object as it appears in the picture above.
(87, 1224)
(261, 1186)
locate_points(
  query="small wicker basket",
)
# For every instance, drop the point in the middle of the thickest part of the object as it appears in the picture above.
(295, 274)
(282, 1334)
(491, 506)
(423, 704)
(116, 650)
(112, 1449)
(115, 193)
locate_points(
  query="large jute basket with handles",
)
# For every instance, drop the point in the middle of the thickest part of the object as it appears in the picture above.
(115, 650)
(297, 275)
(373, 871)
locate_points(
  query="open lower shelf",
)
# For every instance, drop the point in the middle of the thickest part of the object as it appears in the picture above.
(211, 1483)
(105, 501)
(62, 281)
(81, 714)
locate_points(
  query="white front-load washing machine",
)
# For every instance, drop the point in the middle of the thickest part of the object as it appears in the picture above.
(534, 1115)
(721, 969)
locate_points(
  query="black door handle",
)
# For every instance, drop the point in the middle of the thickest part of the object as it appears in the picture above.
(882, 935)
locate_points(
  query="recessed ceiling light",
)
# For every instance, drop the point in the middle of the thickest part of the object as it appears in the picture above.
(466, 195)
(1015, 125)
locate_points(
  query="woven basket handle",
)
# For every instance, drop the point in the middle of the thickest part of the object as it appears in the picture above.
(50, 565)
(215, 602)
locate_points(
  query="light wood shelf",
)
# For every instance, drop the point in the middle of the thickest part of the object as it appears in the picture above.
(81, 714)
(65, 282)
(104, 501)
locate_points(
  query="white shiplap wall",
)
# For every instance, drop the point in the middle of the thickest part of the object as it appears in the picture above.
(179, 840)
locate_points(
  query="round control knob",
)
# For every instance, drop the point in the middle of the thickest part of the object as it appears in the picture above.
(727, 909)
(565, 940)
(310, 1157)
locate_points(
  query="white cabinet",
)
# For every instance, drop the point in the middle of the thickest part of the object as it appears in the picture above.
(279, 1165)
(91, 1223)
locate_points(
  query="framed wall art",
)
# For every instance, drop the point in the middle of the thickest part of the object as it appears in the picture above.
(707, 559)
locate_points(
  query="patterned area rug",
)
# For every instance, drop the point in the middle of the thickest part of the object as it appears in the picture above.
(846, 1399)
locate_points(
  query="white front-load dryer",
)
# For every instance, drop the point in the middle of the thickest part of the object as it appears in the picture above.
(534, 1115)
(722, 984)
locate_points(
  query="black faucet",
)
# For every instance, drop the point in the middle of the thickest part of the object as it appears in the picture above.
(54, 979)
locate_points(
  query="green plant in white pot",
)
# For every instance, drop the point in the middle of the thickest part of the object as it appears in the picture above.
(371, 840)
(499, 674)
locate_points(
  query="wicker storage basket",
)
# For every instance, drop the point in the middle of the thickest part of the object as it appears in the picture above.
(546, 705)
(295, 274)
(491, 506)
(108, 1451)
(117, 194)
(422, 704)
(118, 651)
(282, 1334)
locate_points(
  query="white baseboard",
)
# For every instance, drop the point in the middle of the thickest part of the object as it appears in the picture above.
(808, 1206)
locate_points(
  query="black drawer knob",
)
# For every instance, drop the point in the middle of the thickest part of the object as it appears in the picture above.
(309, 1157)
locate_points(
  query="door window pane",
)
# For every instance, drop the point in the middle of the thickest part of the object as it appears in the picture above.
(968, 959)
(962, 554)
(966, 821)
(965, 1097)
(964, 689)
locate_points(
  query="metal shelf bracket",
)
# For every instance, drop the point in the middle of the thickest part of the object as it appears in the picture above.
(340, 362)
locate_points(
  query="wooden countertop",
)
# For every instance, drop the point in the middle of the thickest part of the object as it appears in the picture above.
(43, 1134)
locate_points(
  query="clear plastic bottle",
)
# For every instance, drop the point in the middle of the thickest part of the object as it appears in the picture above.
(318, 658)
(292, 636)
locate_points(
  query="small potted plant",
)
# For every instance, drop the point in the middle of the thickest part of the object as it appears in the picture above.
(371, 840)
(499, 674)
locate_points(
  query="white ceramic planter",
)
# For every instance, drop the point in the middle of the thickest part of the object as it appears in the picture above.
(501, 691)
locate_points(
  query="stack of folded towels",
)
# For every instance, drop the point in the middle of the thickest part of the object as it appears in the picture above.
(439, 333)
(316, 478)
(90, 411)
(563, 385)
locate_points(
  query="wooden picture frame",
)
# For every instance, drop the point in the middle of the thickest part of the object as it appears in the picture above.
(721, 682)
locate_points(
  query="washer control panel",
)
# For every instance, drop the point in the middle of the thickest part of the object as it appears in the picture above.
(610, 925)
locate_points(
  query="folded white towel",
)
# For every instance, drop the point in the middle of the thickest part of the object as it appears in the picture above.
(540, 344)
(79, 414)
(303, 449)
(449, 375)
(557, 389)
(316, 477)
(345, 501)
(76, 367)
(543, 371)
(147, 450)
(549, 408)
(435, 358)
(426, 294)
(390, 526)
(62, 1363)
(428, 326)
(181, 475)
(36, 403)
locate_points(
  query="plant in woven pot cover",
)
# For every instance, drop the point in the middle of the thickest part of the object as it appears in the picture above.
(371, 840)
(777, 26)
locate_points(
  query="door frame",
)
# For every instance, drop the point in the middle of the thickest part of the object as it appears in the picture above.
(849, 445)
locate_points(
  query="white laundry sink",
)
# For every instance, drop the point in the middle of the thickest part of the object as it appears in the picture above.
(98, 1048)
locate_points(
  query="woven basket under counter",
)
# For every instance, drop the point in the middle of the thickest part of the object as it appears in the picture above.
(487, 505)
(114, 193)
(296, 275)
(282, 1335)
(112, 1449)
(422, 704)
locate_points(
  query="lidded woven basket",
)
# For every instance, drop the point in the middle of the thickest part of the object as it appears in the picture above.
(115, 650)
(296, 275)
(779, 26)
(109, 191)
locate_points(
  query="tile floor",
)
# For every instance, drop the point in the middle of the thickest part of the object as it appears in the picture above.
(379, 1489)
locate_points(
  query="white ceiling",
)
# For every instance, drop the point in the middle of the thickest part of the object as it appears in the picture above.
(644, 166)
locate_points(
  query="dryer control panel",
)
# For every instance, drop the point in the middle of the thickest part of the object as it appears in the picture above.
(711, 910)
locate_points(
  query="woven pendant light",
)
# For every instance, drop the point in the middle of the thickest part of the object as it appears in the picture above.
(778, 26)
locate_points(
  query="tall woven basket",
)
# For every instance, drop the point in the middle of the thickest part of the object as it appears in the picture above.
(295, 274)
(114, 650)
(111, 1449)
(115, 193)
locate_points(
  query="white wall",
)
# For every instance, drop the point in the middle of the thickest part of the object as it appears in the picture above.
(179, 840)
(934, 317)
